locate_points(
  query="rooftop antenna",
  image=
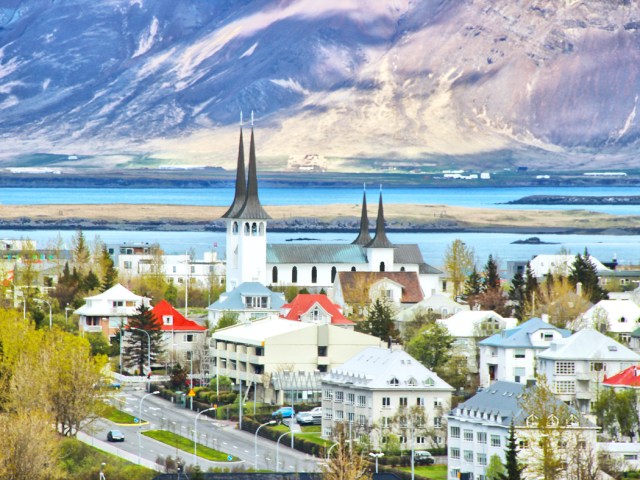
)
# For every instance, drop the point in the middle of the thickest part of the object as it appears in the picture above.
(241, 118)
(364, 187)
(380, 188)
(252, 118)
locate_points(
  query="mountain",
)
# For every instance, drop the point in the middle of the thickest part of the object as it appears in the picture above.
(549, 83)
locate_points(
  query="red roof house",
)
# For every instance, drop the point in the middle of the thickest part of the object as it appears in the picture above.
(171, 319)
(627, 378)
(314, 308)
(182, 337)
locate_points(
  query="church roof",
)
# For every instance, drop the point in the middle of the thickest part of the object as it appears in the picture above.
(354, 283)
(363, 237)
(241, 186)
(252, 209)
(321, 253)
(380, 239)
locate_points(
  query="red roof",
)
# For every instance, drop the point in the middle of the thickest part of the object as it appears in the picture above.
(305, 301)
(629, 377)
(164, 308)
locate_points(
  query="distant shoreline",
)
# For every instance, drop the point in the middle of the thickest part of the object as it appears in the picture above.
(577, 200)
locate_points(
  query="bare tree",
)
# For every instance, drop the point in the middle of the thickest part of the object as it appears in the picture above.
(345, 462)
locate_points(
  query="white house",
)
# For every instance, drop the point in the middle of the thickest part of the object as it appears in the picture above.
(576, 365)
(439, 304)
(479, 429)
(510, 355)
(107, 311)
(620, 317)
(277, 357)
(468, 327)
(248, 301)
(542, 265)
(376, 384)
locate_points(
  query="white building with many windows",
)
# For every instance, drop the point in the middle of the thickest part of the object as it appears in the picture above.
(372, 387)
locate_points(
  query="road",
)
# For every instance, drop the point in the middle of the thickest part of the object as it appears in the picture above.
(220, 435)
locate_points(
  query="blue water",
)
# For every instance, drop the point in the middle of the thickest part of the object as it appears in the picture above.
(432, 245)
(466, 197)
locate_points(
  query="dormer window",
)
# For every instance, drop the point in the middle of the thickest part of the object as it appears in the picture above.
(412, 382)
(394, 382)
(532, 421)
(429, 382)
(167, 319)
(256, 302)
(552, 421)
(315, 315)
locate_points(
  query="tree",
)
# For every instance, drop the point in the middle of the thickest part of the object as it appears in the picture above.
(345, 462)
(90, 282)
(109, 271)
(136, 350)
(491, 275)
(584, 272)
(379, 321)
(512, 466)
(495, 469)
(80, 251)
(531, 292)
(473, 287)
(459, 260)
(559, 300)
(228, 319)
(178, 377)
(517, 295)
(431, 346)
(616, 412)
(421, 317)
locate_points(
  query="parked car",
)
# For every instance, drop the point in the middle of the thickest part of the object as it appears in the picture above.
(284, 412)
(422, 457)
(312, 417)
(115, 436)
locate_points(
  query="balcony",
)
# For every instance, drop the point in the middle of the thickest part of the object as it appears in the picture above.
(584, 395)
(92, 328)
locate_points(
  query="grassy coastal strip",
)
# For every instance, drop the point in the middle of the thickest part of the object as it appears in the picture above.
(118, 416)
(185, 444)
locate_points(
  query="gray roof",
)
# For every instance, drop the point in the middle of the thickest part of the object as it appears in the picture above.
(241, 185)
(321, 253)
(233, 300)
(589, 344)
(252, 209)
(519, 337)
(380, 239)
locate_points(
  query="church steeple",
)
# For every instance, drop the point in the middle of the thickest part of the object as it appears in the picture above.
(241, 186)
(363, 237)
(380, 239)
(251, 208)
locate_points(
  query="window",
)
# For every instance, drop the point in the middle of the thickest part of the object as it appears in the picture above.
(386, 401)
(339, 397)
(518, 374)
(455, 472)
(482, 458)
(520, 353)
(421, 440)
(455, 452)
(274, 275)
(351, 398)
(394, 382)
(333, 274)
(256, 302)
(174, 269)
(495, 440)
(412, 382)
(404, 401)
(328, 432)
(362, 420)
(481, 437)
(328, 394)
(339, 415)
(127, 265)
(403, 439)
(454, 432)
(420, 401)
(328, 414)
(624, 338)
(234, 227)
(437, 422)
(167, 319)
(322, 351)
(188, 338)
(429, 382)
(468, 456)
(468, 435)
(564, 386)
(546, 336)
(565, 368)
(314, 275)
(385, 421)
(437, 402)
(294, 275)
(351, 417)
(630, 456)
(362, 401)
(598, 367)
(523, 444)
(382, 266)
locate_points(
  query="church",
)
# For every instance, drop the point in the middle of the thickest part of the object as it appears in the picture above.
(251, 258)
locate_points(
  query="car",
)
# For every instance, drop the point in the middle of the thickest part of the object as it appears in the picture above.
(115, 436)
(422, 457)
(284, 412)
(312, 417)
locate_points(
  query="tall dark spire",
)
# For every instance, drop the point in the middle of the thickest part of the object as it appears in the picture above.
(363, 237)
(241, 186)
(380, 239)
(252, 209)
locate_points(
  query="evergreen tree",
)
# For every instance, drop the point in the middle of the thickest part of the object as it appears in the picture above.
(80, 251)
(513, 468)
(583, 271)
(90, 282)
(171, 293)
(517, 295)
(431, 345)
(531, 290)
(379, 321)
(110, 275)
(491, 275)
(473, 284)
(136, 350)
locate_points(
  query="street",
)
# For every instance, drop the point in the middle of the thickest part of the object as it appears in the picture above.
(220, 435)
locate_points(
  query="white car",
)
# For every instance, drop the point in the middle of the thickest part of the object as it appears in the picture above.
(312, 417)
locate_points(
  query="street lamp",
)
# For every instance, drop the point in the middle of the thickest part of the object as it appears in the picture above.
(148, 350)
(102, 477)
(331, 448)
(277, 450)
(140, 419)
(50, 310)
(67, 309)
(270, 422)
(376, 456)
(195, 435)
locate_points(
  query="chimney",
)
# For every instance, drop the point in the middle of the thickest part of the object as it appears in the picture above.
(579, 288)
(545, 317)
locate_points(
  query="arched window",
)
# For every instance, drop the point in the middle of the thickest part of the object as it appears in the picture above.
(274, 275)
(254, 229)
(314, 275)
(353, 269)
(402, 269)
(294, 275)
(261, 229)
(247, 228)
(382, 266)
(334, 271)
(234, 228)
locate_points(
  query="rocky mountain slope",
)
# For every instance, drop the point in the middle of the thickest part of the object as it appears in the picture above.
(551, 83)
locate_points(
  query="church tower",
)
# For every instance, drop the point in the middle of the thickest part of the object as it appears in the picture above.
(363, 237)
(246, 226)
(380, 250)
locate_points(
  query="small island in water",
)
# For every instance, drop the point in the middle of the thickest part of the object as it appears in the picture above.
(576, 200)
(532, 241)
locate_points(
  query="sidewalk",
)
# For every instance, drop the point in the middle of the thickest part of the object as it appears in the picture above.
(113, 450)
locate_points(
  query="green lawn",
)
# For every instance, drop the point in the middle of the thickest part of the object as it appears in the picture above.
(185, 444)
(118, 416)
(436, 472)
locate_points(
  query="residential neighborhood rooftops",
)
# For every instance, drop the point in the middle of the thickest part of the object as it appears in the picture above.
(257, 332)
(468, 323)
(520, 336)
(382, 368)
(589, 344)
(614, 311)
(304, 302)
(629, 378)
(355, 283)
(171, 319)
(234, 300)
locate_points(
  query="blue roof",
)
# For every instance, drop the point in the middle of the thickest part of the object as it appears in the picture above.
(233, 300)
(519, 337)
